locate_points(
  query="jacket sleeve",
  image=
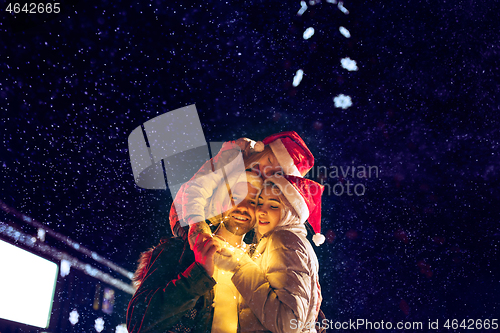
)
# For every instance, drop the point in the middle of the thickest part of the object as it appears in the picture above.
(164, 296)
(279, 292)
(192, 198)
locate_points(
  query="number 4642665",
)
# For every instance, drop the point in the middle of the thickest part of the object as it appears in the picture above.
(34, 8)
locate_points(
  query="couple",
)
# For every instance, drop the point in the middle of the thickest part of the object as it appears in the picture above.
(211, 283)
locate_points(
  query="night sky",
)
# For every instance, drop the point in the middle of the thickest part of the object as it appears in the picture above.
(423, 242)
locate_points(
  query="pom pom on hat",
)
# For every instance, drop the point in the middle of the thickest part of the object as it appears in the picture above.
(259, 146)
(318, 239)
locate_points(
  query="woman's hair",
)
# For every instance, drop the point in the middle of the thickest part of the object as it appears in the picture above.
(288, 215)
(254, 157)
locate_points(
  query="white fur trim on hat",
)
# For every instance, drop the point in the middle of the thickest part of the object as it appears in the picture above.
(292, 195)
(318, 239)
(284, 158)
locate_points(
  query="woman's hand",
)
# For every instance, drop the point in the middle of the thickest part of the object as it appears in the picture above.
(228, 258)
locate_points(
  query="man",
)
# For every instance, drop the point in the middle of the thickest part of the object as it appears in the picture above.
(179, 289)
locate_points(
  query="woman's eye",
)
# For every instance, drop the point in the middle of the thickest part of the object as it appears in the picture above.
(274, 207)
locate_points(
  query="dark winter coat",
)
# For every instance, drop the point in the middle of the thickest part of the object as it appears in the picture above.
(175, 294)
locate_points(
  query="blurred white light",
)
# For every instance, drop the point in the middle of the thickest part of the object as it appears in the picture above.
(303, 8)
(349, 64)
(99, 324)
(27, 286)
(41, 234)
(342, 101)
(342, 8)
(65, 267)
(308, 33)
(331, 1)
(298, 77)
(73, 317)
(345, 32)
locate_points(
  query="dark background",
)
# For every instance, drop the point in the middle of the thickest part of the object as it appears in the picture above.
(421, 243)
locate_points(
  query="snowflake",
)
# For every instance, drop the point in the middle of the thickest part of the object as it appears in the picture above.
(349, 64)
(298, 77)
(308, 33)
(121, 329)
(73, 317)
(345, 32)
(99, 324)
(342, 101)
(302, 9)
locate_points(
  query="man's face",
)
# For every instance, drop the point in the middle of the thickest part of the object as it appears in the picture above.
(240, 219)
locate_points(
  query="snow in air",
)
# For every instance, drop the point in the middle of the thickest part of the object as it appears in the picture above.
(73, 317)
(303, 8)
(308, 33)
(342, 8)
(349, 64)
(298, 77)
(345, 32)
(342, 101)
(99, 324)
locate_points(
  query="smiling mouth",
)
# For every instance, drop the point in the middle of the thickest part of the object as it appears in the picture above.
(240, 218)
(263, 222)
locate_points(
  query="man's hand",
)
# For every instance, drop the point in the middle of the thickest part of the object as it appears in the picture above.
(204, 249)
(229, 258)
(195, 229)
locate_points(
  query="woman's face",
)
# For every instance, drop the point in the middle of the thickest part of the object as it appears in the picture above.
(269, 209)
(268, 165)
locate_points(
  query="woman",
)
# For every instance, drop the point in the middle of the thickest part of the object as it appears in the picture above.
(279, 286)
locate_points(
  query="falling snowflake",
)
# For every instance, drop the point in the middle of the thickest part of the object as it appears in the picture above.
(342, 101)
(308, 33)
(345, 32)
(349, 64)
(99, 324)
(73, 317)
(342, 8)
(302, 9)
(298, 77)
(121, 329)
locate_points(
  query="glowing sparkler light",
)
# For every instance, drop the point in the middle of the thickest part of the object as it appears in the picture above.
(298, 77)
(308, 33)
(342, 101)
(345, 32)
(349, 64)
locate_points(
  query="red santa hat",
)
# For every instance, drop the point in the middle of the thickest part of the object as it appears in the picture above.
(291, 151)
(304, 195)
